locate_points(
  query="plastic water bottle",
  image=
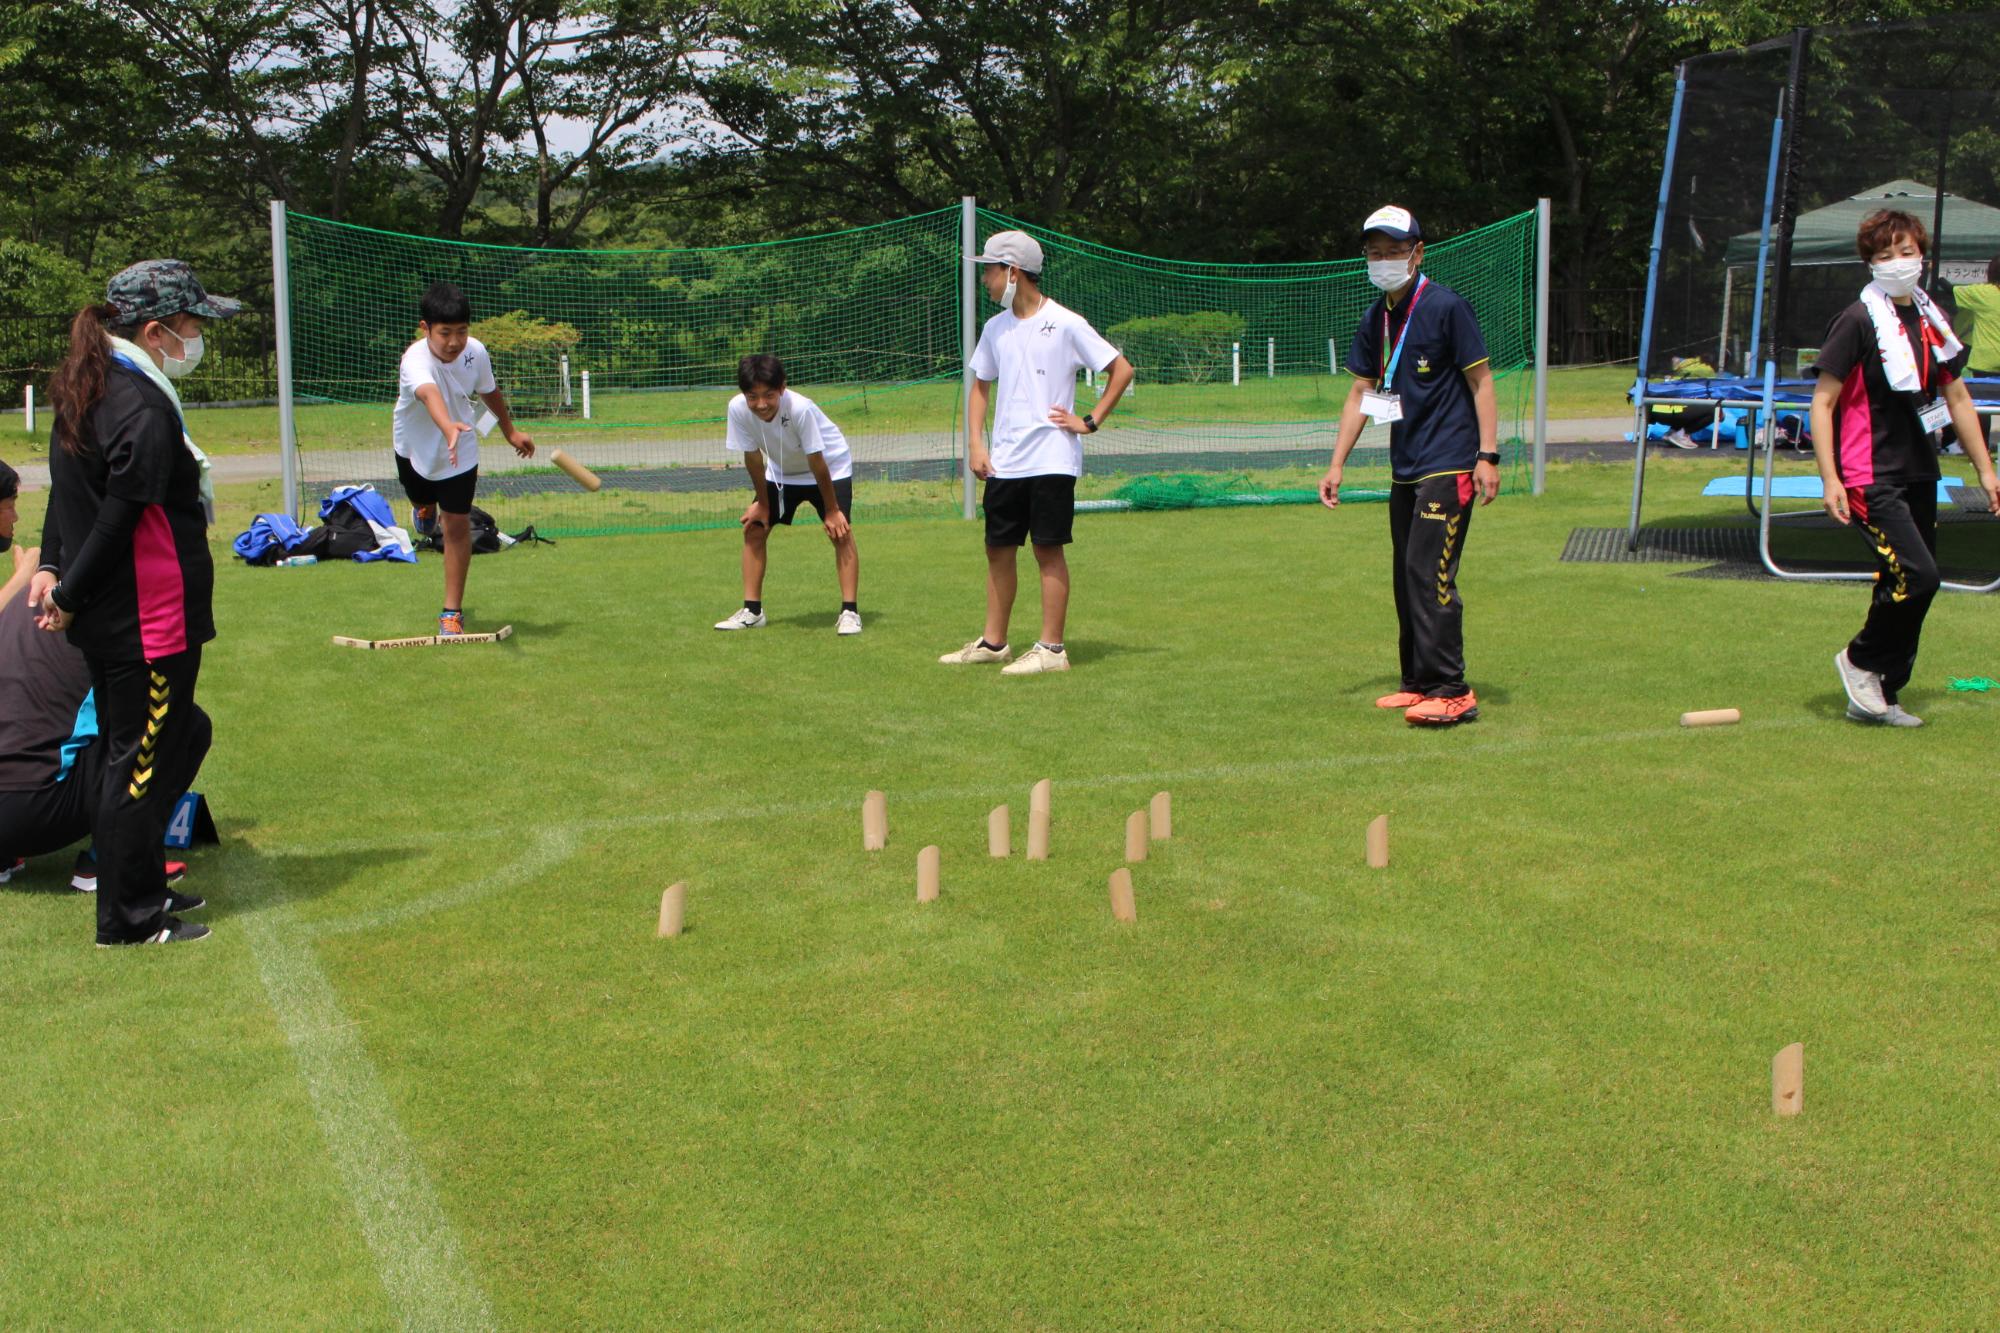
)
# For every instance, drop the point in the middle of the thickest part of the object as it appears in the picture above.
(299, 560)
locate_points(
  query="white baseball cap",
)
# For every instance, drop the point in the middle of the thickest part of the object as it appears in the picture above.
(1012, 247)
(1395, 222)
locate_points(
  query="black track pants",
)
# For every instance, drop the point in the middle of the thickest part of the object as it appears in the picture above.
(152, 736)
(1900, 522)
(1428, 520)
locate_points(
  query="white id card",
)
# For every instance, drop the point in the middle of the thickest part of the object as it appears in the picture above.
(485, 422)
(1381, 408)
(1936, 416)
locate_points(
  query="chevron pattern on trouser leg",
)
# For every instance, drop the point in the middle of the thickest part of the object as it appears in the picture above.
(1444, 560)
(1887, 551)
(160, 699)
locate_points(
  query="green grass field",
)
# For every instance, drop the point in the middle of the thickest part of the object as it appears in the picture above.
(1586, 391)
(434, 1069)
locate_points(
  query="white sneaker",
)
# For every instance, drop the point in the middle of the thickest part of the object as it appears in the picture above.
(849, 623)
(1864, 688)
(1680, 439)
(976, 652)
(744, 618)
(1036, 660)
(1897, 716)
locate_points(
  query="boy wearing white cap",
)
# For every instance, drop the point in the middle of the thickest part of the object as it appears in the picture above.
(1420, 367)
(1033, 349)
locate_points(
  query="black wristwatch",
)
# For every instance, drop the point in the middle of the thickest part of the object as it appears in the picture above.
(1090, 424)
(1494, 459)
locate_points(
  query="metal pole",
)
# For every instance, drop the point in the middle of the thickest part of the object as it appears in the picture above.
(1332, 358)
(28, 409)
(585, 377)
(968, 330)
(1270, 358)
(1722, 338)
(1236, 365)
(1646, 327)
(281, 301)
(1764, 236)
(1541, 344)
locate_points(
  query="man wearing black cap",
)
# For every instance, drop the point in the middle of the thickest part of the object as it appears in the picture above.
(126, 570)
(1420, 367)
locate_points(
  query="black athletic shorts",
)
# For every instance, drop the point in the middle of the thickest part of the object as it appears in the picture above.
(790, 497)
(1038, 509)
(453, 495)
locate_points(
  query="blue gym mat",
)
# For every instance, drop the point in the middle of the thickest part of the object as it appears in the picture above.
(1797, 488)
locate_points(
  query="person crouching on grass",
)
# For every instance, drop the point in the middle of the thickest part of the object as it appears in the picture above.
(796, 457)
(1888, 379)
(1420, 367)
(1034, 349)
(437, 454)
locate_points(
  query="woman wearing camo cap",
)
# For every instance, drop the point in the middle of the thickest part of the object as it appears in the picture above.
(126, 571)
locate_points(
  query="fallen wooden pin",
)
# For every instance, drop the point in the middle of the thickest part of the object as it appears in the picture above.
(1712, 717)
(425, 640)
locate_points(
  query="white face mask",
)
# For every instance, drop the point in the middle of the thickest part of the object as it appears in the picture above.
(1389, 274)
(1898, 277)
(184, 364)
(1007, 292)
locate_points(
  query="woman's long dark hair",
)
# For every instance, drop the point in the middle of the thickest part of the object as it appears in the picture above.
(78, 384)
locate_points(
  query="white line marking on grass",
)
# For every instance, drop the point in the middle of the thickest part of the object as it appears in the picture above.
(417, 1252)
(549, 848)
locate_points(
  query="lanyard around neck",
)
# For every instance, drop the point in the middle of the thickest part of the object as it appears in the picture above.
(1396, 358)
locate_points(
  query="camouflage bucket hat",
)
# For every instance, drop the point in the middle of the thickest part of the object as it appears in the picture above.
(159, 288)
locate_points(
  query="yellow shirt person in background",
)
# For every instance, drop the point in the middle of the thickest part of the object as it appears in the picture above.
(1978, 321)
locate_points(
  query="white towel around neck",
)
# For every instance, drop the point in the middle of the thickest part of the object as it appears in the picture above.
(1899, 359)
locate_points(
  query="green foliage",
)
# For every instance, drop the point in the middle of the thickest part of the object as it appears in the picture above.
(1192, 348)
(519, 333)
(41, 287)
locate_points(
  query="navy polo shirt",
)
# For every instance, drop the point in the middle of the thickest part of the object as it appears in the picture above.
(1439, 431)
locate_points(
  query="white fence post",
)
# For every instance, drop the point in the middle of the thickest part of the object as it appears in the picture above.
(281, 310)
(28, 409)
(1270, 358)
(566, 401)
(1332, 359)
(586, 395)
(1236, 364)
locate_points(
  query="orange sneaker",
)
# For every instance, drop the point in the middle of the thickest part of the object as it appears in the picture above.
(1404, 699)
(451, 624)
(1444, 712)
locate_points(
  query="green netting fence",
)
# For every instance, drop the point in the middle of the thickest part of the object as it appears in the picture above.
(626, 360)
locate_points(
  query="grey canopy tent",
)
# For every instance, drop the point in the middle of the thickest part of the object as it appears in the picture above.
(1968, 232)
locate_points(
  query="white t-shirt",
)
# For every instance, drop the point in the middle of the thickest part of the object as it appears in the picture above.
(799, 429)
(417, 437)
(1036, 361)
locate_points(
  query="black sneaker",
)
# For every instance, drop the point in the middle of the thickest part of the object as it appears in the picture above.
(16, 866)
(83, 875)
(172, 930)
(184, 902)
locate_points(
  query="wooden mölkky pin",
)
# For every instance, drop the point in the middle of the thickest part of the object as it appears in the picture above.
(874, 822)
(1135, 836)
(1788, 1079)
(1712, 717)
(1000, 832)
(927, 875)
(1160, 816)
(1038, 824)
(1123, 907)
(1378, 841)
(1038, 795)
(673, 909)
